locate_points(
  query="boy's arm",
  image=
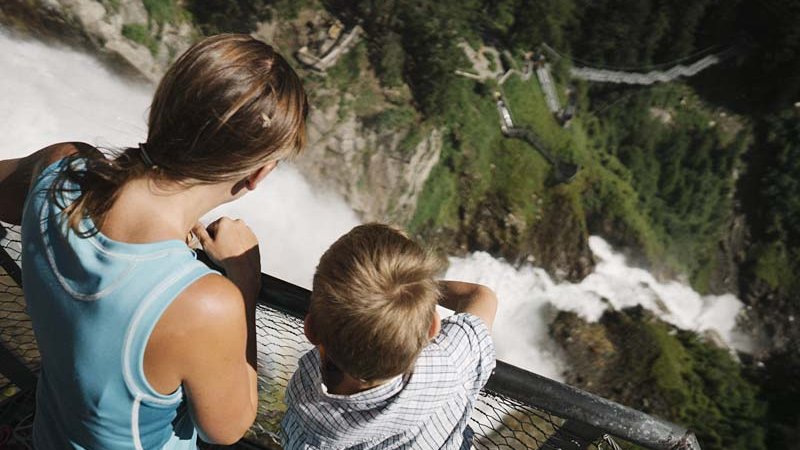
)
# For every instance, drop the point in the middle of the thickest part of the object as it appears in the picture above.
(471, 298)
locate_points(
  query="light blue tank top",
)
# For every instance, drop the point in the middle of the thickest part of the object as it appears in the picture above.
(94, 302)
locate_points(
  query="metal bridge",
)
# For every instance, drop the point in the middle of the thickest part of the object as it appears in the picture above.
(613, 76)
(487, 64)
(642, 78)
(564, 172)
(516, 410)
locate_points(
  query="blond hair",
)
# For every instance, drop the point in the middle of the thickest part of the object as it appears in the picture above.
(373, 301)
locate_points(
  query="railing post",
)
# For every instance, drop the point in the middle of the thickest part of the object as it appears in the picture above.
(580, 406)
(6, 262)
(15, 370)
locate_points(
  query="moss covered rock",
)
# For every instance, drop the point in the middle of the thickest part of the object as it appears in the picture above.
(632, 357)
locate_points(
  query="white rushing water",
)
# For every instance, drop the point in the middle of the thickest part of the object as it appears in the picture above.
(531, 298)
(50, 95)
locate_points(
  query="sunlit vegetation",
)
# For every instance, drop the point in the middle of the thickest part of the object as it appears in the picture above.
(662, 168)
(679, 376)
(140, 33)
(165, 11)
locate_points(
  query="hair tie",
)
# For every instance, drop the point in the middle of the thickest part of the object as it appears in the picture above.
(145, 157)
(266, 120)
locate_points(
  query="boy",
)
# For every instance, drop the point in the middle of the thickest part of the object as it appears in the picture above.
(386, 372)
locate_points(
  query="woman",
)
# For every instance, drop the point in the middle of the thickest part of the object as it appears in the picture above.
(143, 346)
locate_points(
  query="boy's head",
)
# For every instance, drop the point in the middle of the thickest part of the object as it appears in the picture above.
(373, 303)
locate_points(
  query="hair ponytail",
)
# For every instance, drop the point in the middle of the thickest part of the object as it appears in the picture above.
(97, 180)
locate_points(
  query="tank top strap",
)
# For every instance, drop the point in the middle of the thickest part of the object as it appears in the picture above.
(141, 326)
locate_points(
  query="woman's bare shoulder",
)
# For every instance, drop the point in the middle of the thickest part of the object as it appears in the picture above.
(205, 320)
(63, 149)
(56, 152)
(211, 301)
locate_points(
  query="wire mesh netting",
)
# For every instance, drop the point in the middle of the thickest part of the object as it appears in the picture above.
(16, 332)
(280, 344)
(499, 422)
(16, 336)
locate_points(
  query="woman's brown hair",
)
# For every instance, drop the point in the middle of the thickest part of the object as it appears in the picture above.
(226, 106)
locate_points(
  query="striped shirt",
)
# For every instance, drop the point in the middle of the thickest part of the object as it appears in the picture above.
(428, 409)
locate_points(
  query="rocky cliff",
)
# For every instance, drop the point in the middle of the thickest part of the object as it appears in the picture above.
(633, 358)
(101, 27)
(377, 177)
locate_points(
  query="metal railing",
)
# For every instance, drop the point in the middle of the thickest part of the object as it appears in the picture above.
(516, 410)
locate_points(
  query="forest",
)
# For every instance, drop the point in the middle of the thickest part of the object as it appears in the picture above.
(666, 170)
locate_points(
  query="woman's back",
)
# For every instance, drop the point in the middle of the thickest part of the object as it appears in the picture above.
(94, 303)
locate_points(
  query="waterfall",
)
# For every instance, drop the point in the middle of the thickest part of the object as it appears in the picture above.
(56, 94)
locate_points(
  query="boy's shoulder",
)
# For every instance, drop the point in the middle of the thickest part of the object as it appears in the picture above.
(464, 331)
(307, 379)
(466, 343)
(447, 376)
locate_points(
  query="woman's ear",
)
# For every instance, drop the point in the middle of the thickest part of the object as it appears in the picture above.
(436, 326)
(258, 176)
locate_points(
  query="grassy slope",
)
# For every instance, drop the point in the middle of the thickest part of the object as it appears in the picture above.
(482, 169)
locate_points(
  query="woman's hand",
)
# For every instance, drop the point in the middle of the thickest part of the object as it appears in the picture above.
(232, 245)
(225, 240)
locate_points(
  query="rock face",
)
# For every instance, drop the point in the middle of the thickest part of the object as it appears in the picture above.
(98, 27)
(623, 356)
(775, 316)
(558, 242)
(378, 180)
(373, 167)
(731, 255)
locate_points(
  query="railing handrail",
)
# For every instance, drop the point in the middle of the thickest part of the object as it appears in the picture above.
(575, 405)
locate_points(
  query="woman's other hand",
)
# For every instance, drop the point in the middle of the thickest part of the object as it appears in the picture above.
(226, 240)
(233, 246)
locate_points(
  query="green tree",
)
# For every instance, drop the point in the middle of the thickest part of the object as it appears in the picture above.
(229, 16)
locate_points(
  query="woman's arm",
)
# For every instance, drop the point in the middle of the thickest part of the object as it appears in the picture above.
(207, 336)
(206, 339)
(16, 176)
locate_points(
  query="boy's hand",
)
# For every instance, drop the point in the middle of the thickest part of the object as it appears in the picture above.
(472, 298)
(232, 245)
